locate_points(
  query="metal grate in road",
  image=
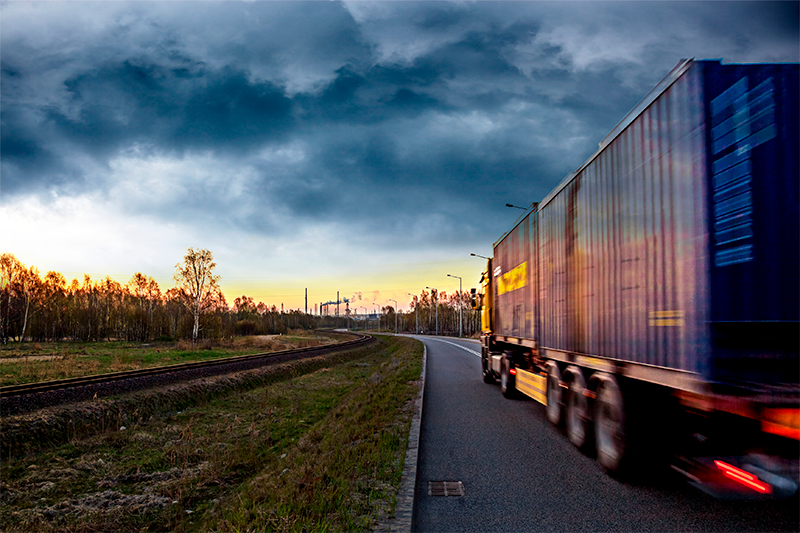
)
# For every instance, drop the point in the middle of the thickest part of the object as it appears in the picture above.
(445, 488)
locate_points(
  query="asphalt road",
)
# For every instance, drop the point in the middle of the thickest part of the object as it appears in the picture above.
(522, 474)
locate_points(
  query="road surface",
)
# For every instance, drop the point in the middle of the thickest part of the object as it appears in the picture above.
(521, 474)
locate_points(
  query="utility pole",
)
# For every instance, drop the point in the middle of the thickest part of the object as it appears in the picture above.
(460, 304)
(395, 314)
(437, 307)
(416, 318)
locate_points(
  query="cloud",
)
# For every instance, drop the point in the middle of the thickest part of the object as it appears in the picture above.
(357, 129)
(47, 235)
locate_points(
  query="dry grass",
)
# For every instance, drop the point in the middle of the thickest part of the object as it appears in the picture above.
(32, 362)
(322, 451)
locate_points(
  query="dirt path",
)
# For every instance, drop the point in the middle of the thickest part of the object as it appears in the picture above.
(31, 358)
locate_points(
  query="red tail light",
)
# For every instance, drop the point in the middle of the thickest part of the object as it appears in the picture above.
(745, 478)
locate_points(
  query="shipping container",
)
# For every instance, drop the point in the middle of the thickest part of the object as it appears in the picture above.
(671, 258)
(676, 244)
(514, 282)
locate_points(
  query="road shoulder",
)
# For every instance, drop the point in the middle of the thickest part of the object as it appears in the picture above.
(404, 510)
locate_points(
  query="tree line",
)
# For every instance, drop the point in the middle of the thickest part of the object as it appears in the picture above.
(48, 308)
(435, 311)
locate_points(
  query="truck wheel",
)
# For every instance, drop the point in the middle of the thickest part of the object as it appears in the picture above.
(553, 394)
(577, 412)
(609, 425)
(488, 377)
(506, 379)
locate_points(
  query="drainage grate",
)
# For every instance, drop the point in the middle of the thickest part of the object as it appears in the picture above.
(445, 488)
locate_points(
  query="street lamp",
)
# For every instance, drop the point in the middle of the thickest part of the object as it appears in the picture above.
(416, 318)
(395, 314)
(481, 256)
(516, 207)
(437, 306)
(460, 304)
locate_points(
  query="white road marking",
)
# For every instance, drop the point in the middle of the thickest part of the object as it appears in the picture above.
(470, 350)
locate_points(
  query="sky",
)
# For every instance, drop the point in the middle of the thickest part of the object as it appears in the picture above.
(360, 147)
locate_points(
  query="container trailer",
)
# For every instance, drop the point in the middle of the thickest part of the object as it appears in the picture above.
(651, 301)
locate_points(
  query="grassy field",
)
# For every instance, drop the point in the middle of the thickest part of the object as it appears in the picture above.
(319, 452)
(30, 362)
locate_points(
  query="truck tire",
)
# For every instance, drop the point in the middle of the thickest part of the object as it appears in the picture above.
(488, 377)
(506, 379)
(554, 394)
(609, 426)
(577, 411)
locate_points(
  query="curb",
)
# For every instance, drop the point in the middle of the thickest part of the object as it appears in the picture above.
(404, 510)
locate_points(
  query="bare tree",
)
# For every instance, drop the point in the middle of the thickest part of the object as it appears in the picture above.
(29, 286)
(198, 286)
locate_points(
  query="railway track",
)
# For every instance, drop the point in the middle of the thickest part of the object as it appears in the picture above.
(19, 398)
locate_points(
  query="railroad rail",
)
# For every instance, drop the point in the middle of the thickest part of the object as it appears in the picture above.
(11, 391)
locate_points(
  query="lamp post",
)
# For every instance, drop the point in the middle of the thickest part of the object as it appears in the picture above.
(437, 306)
(395, 314)
(516, 207)
(416, 318)
(481, 256)
(460, 304)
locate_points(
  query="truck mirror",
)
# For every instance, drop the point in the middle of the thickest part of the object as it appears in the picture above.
(474, 299)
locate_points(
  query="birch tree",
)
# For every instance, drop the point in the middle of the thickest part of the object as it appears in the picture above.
(197, 283)
(29, 284)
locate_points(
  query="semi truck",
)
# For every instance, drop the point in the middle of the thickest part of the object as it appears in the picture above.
(651, 300)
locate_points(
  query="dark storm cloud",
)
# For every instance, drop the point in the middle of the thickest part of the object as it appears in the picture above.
(417, 108)
(177, 108)
(233, 113)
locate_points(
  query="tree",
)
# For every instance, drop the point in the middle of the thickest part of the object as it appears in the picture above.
(55, 297)
(244, 304)
(111, 320)
(197, 283)
(10, 269)
(29, 285)
(145, 296)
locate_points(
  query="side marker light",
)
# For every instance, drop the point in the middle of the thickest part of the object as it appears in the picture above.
(745, 478)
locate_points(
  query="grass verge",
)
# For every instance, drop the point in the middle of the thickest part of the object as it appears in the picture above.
(319, 451)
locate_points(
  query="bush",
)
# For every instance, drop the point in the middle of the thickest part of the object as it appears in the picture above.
(245, 328)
